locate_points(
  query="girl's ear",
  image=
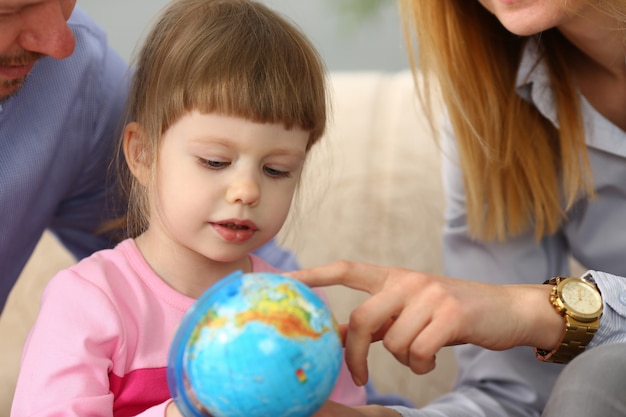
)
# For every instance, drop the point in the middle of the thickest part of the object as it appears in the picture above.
(137, 152)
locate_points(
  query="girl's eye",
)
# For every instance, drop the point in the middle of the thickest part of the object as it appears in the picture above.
(213, 164)
(276, 173)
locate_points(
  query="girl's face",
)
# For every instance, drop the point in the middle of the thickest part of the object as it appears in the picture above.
(528, 17)
(223, 185)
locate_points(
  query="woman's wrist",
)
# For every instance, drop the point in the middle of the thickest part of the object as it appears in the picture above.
(544, 326)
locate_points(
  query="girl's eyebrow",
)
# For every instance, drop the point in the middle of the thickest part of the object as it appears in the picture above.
(209, 138)
(290, 152)
(220, 141)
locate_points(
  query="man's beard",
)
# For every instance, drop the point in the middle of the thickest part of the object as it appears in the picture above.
(8, 88)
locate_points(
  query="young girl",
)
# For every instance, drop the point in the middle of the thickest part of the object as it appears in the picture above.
(226, 102)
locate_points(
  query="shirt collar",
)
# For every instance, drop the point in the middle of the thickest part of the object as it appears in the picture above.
(533, 85)
(533, 81)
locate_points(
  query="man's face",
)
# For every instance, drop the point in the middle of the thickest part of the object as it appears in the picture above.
(29, 30)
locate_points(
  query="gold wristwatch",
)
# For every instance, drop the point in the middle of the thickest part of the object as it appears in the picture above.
(579, 301)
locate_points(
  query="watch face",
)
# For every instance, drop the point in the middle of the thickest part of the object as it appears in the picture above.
(581, 300)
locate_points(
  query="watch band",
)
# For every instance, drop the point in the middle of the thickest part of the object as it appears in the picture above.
(573, 343)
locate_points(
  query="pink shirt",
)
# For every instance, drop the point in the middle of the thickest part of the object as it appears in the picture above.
(100, 343)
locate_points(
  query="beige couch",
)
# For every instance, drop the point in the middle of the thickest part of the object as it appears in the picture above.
(372, 193)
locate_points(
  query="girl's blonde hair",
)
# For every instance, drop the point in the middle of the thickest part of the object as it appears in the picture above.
(520, 172)
(232, 57)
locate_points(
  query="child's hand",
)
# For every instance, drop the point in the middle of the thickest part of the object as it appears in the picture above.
(172, 410)
(333, 409)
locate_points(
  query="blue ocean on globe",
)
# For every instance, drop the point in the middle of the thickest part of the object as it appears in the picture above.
(256, 344)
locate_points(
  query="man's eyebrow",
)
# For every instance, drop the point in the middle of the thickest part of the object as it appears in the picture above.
(8, 6)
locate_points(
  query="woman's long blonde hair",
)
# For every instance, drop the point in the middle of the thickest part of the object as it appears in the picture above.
(520, 172)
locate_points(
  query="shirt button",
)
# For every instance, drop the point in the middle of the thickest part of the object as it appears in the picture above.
(622, 298)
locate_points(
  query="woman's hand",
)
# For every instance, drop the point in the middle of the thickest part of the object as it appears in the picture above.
(416, 314)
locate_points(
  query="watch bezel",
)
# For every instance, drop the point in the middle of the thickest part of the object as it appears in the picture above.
(568, 309)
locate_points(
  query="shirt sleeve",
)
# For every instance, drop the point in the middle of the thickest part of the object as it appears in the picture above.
(612, 328)
(67, 356)
(79, 337)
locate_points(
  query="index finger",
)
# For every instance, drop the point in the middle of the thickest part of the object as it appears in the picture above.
(355, 275)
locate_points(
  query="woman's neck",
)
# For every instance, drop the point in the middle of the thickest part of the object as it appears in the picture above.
(598, 62)
(596, 35)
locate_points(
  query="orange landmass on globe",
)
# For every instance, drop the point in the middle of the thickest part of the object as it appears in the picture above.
(286, 314)
(285, 322)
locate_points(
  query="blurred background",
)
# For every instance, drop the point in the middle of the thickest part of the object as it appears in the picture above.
(349, 34)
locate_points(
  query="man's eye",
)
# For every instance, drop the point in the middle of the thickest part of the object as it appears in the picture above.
(213, 164)
(276, 173)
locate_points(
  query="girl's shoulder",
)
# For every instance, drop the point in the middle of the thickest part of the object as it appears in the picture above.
(109, 272)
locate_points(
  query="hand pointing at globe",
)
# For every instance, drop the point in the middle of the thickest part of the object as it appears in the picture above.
(416, 314)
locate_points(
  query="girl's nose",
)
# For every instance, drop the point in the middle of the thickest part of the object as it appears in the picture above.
(244, 192)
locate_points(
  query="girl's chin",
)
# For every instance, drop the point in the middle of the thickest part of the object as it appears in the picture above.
(236, 260)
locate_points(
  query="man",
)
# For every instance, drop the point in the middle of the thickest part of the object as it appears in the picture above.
(62, 93)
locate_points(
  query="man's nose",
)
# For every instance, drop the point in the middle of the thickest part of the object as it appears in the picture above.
(45, 30)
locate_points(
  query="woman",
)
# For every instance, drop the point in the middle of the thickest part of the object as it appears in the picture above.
(534, 149)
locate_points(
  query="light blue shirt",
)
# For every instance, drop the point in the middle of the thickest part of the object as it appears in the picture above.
(57, 138)
(56, 141)
(514, 382)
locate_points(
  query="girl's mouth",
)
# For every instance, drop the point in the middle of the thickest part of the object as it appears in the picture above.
(235, 231)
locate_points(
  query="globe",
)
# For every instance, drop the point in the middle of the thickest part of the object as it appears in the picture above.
(255, 344)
